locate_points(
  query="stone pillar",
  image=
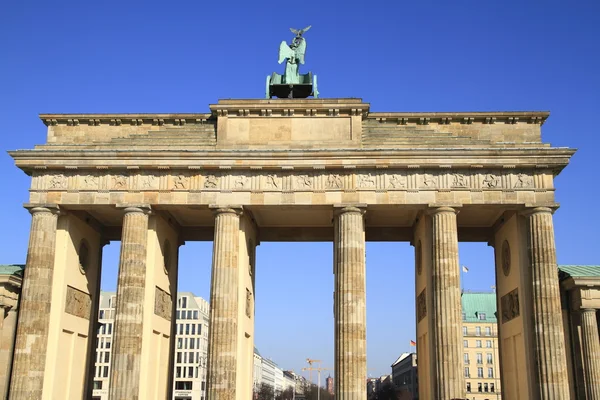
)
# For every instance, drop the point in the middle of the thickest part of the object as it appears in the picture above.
(447, 349)
(350, 304)
(222, 341)
(129, 312)
(7, 345)
(32, 331)
(553, 382)
(591, 353)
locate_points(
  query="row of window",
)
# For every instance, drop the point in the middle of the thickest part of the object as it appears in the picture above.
(103, 357)
(488, 343)
(190, 329)
(188, 357)
(104, 343)
(189, 314)
(480, 315)
(188, 343)
(105, 329)
(479, 372)
(488, 331)
(490, 358)
(186, 372)
(106, 314)
(482, 387)
(101, 371)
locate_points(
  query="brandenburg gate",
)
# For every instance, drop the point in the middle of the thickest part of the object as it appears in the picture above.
(251, 171)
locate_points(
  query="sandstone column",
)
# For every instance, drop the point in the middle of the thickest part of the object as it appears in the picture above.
(548, 329)
(591, 353)
(447, 310)
(350, 304)
(222, 341)
(7, 342)
(129, 312)
(34, 319)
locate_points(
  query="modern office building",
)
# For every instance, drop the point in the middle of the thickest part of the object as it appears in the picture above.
(405, 377)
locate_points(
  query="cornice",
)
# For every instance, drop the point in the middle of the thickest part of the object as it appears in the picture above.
(124, 119)
(462, 117)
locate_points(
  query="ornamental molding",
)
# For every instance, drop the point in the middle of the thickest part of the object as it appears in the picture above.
(288, 180)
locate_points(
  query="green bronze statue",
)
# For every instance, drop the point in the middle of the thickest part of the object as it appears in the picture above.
(292, 84)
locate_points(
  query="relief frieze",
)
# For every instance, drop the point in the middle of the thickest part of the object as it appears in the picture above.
(287, 180)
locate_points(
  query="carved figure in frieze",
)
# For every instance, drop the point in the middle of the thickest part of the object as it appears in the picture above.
(180, 182)
(490, 181)
(272, 181)
(211, 182)
(421, 305)
(90, 181)
(240, 182)
(58, 182)
(334, 181)
(429, 181)
(524, 181)
(366, 181)
(148, 181)
(459, 180)
(304, 181)
(397, 181)
(119, 182)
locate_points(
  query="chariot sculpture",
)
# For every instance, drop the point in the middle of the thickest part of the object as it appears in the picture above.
(292, 84)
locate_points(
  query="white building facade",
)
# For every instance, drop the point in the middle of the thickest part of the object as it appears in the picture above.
(191, 347)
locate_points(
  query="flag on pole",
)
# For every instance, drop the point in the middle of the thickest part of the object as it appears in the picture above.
(465, 269)
(413, 343)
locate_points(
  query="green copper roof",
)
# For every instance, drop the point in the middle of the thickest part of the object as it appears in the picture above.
(476, 304)
(11, 269)
(579, 271)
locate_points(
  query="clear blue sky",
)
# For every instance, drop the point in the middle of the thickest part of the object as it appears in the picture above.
(126, 56)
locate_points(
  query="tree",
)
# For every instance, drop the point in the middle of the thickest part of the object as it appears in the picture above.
(311, 393)
(264, 392)
(287, 394)
(387, 392)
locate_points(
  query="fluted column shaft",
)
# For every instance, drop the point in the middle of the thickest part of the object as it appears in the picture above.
(591, 353)
(447, 309)
(34, 319)
(548, 328)
(350, 305)
(9, 330)
(129, 312)
(222, 342)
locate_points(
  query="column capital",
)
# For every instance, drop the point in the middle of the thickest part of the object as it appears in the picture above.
(339, 209)
(588, 310)
(43, 208)
(443, 208)
(226, 209)
(135, 208)
(539, 209)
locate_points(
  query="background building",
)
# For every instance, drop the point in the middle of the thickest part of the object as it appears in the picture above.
(191, 346)
(329, 384)
(404, 376)
(480, 342)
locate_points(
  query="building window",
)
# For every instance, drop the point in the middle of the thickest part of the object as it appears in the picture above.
(184, 302)
(195, 314)
(485, 387)
(107, 344)
(191, 343)
(464, 316)
(178, 314)
(469, 387)
(183, 385)
(478, 331)
(480, 372)
(466, 357)
(479, 358)
(189, 314)
(110, 329)
(106, 357)
(105, 371)
(489, 358)
(488, 331)
(179, 343)
(490, 372)
(465, 343)
(178, 372)
(467, 373)
(488, 344)
(199, 329)
(479, 387)
(193, 329)
(190, 372)
(482, 316)
(101, 314)
(478, 343)
(492, 388)
(97, 385)
(465, 331)
(187, 329)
